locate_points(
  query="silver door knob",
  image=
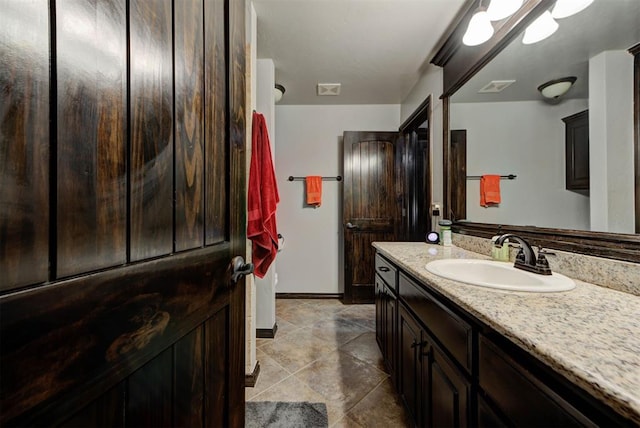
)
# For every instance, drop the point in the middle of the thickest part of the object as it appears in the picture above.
(351, 226)
(239, 268)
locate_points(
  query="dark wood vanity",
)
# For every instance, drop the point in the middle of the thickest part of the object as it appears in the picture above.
(451, 369)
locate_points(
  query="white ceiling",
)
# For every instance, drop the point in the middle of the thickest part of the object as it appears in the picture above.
(375, 48)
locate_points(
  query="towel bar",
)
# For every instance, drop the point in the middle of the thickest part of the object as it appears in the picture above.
(337, 178)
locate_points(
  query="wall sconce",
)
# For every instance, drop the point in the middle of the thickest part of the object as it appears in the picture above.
(565, 8)
(278, 92)
(554, 89)
(500, 9)
(480, 29)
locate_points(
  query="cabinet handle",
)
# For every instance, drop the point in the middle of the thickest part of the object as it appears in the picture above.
(384, 269)
(418, 344)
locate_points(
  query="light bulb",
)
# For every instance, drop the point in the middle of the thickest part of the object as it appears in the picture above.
(479, 30)
(500, 9)
(540, 29)
(565, 8)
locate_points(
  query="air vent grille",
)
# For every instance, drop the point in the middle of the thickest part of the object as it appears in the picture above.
(495, 86)
(328, 89)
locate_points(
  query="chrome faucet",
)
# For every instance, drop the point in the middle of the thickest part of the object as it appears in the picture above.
(526, 258)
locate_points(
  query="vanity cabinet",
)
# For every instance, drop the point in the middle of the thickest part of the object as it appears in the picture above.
(432, 380)
(386, 302)
(453, 370)
(577, 151)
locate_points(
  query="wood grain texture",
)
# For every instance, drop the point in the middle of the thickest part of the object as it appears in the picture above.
(91, 125)
(237, 223)
(24, 143)
(149, 393)
(458, 173)
(216, 384)
(151, 144)
(636, 130)
(189, 129)
(188, 390)
(105, 412)
(82, 334)
(371, 203)
(216, 149)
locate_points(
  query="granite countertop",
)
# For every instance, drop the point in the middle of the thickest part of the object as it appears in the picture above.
(590, 335)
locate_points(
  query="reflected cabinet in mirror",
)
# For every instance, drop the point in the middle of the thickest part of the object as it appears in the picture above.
(561, 115)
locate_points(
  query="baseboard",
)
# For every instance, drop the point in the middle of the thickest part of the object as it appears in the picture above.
(251, 378)
(309, 296)
(267, 333)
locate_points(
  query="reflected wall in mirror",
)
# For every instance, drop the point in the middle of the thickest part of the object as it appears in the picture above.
(518, 131)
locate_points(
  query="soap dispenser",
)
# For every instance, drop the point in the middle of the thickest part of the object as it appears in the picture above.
(500, 253)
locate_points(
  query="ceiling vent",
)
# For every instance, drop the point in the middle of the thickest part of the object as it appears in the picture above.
(495, 86)
(328, 89)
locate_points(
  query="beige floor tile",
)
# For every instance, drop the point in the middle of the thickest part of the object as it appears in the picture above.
(302, 315)
(270, 374)
(294, 390)
(364, 315)
(342, 379)
(338, 331)
(328, 305)
(380, 408)
(365, 348)
(284, 304)
(284, 327)
(346, 422)
(297, 349)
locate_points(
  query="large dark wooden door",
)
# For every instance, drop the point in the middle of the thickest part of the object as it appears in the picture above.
(371, 206)
(122, 206)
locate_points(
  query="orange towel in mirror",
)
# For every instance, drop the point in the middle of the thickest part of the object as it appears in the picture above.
(314, 190)
(489, 190)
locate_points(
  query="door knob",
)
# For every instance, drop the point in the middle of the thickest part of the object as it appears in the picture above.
(351, 226)
(239, 268)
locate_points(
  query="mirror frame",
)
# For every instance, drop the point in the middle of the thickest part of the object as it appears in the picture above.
(459, 64)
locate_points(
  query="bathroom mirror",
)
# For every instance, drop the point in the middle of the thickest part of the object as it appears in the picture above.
(517, 131)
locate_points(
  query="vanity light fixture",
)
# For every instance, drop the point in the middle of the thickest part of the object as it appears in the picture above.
(540, 29)
(565, 8)
(500, 9)
(480, 29)
(556, 88)
(278, 92)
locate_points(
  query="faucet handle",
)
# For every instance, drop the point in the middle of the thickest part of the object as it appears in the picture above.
(545, 252)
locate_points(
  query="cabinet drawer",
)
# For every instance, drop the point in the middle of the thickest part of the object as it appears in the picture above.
(520, 396)
(449, 329)
(387, 272)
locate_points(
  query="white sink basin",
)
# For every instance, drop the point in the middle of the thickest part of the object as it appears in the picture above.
(498, 275)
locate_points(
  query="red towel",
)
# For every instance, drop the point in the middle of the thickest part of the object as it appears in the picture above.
(314, 190)
(262, 199)
(489, 190)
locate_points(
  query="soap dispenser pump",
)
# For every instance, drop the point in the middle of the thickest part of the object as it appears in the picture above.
(500, 253)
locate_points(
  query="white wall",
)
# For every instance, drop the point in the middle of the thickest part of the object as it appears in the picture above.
(430, 83)
(310, 143)
(265, 104)
(527, 139)
(611, 166)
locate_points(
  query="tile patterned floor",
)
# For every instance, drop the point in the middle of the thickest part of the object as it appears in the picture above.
(325, 351)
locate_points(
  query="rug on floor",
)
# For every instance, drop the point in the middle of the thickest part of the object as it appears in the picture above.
(281, 414)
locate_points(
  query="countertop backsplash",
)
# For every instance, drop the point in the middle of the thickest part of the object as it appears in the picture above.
(615, 274)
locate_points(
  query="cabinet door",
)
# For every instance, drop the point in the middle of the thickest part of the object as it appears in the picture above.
(449, 393)
(409, 370)
(390, 320)
(577, 151)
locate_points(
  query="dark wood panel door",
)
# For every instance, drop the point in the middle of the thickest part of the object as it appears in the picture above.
(458, 159)
(151, 132)
(215, 112)
(91, 85)
(371, 206)
(189, 100)
(24, 143)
